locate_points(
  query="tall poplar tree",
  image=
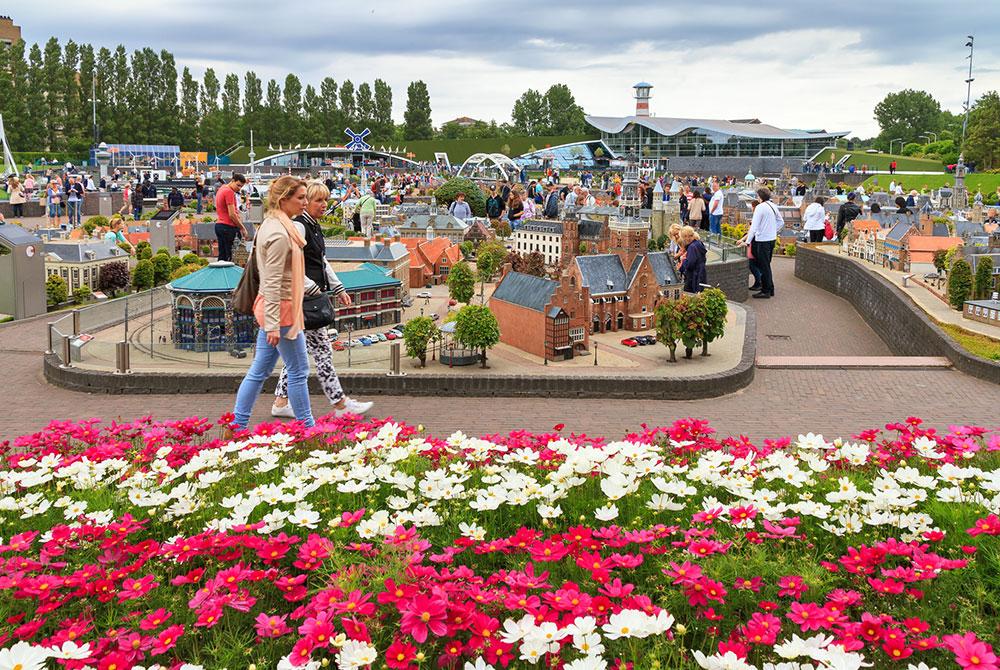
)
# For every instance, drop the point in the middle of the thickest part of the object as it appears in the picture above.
(291, 127)
(365, 106)
(347, 109)
(417, 118)
(272, 113)
(53, 91)
(231, 127)
(382, 115)
(187, 134)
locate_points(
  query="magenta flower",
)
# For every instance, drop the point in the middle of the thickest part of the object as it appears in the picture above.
(424, 614)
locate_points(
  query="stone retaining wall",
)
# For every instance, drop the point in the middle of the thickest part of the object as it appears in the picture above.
(902, 324)
(466, 382)
(90, 206)
(732, 276)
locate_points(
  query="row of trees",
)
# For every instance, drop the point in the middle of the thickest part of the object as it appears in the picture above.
(913, 117)
(47, 99)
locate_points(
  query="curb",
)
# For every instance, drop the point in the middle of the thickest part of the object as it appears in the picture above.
(446, 384)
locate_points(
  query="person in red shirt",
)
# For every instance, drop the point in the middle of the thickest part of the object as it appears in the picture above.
(892, 167)
(230, 224)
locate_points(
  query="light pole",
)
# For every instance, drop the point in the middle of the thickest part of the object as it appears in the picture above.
(898, 139)
(93, 102)
(968, 91)
(930, 133)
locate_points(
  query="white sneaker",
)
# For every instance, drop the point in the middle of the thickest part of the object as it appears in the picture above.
(352, 406)
(285, 412)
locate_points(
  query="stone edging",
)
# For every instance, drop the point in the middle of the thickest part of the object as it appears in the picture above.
(903, 325)
(463, 383)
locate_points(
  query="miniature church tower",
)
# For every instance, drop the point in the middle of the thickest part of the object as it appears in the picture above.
(629, 232)
(960, 194)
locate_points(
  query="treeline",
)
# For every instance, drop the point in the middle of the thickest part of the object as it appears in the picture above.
(142, 98)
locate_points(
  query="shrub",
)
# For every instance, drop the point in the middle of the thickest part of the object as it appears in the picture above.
(668, 325)
(113, 277)
(984, 277)
(56, 290)
(82, 294)
(182, 271)
(206, 249)
(939, 259)
(715, 316)
(446, 192)
(417, 334)
(467, 248)
(163, 250)
(189, 259)
(476, 327)
(95, 222)
(790, 249)
(161, 268)
(959, 283)
(461, 282)
(175, 262)
(489, 258)
(143, 274)
(142, 246)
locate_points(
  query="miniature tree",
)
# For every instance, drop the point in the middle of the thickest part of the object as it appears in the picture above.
(144, 250)
(984, 277)
(446, 193)
(417, 334)
(715, 316)
(939, 259)
(183, 271)
(489, 259)
(113, 277)
(668, 325)
(584, 248)
(692, 323)
(959, 283)
(467, 248)
(461, 282)
(56, 290)
(477, 328)
(534, 264)
(81, 294)
(142, 275)
(161, 268)
(502, 229)
(516, 261)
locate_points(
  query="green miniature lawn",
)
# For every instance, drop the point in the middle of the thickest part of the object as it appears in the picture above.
(981, 181)
(880, 162)
(974, 343)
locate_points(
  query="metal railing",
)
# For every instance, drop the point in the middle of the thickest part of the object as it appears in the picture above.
(727, 247)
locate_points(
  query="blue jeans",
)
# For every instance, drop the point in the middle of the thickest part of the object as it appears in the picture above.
(715, 223)
(293, 353)
(73, 212)
(198, 198)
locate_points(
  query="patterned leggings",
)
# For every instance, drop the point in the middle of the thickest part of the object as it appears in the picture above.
(318, 346)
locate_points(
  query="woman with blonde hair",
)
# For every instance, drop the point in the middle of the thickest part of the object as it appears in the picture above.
(693, 266)
(116, 233)
(17, 196)
(674, 234)
(278, 307)
(320, 278)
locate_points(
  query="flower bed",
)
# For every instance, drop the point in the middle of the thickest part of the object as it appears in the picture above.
(149, 544)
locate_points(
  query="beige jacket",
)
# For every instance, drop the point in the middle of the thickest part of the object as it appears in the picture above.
(274, 266)
(17, 196)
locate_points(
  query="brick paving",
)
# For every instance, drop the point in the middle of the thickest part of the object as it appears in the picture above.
(779, 402)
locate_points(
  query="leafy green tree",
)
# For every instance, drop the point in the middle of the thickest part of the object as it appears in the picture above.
(271, 126)
(476, 327)
(565, 117)
(230, 111)
(82, 294)
(448, 191)
(212, 130)
(143, 275)
(417, 334)
(331, 118)
(715, 317)
(461, 282)
(906, 114)
(668, 324)
(292, 123)
(348, 108)
(312, 121)
(187, 127)
(468, 248)
(940, 257)
(531, 114)
(982, 142)
(489, 258)
(161, 268)
(54, 93)
(167, 107)
(984, 277)
(56, 290)
(959, 283)
(382, 110)
(113, 277)
(417, 118)
(534, 264)
(34, 133)
(72, 125)
(365, 105)
(253, 104)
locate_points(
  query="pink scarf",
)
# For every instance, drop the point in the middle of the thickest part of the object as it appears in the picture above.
(298, 273)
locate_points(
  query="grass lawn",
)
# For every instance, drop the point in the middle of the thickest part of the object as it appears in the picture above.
(974, 343)
(983, 181)
(880, 162)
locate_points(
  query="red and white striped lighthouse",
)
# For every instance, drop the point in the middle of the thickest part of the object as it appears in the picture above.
(642, 95)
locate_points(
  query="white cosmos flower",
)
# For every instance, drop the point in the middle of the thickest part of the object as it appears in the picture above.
(589, 643)
(356, 654)
(473, 531)
(71, 651)
(479, 664)
(592, 662)
(548, 512)
(727, 661)
(24, 656)
(606, 513)
(810, 441)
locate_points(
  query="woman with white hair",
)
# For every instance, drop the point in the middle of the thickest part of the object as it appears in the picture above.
(585, 199)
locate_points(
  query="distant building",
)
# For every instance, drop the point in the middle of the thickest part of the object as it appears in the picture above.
(376, 300)
(80, 263)
(391, 254)
(430, 226)
(202, 314)
(558, 240)
(431, 260)
(986, 311)
(463, 121)
(9, 33)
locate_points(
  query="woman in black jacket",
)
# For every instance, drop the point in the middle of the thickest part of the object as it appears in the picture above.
(693, 265)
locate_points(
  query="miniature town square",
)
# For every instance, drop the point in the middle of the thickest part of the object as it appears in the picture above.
(651, 338)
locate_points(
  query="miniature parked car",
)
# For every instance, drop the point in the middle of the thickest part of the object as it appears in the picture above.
(354, 343)
(381, 337)
(452, 302)
(338, 346)
(424, 294)
(366, 342)
(435, 317)
(630, 342)
(237, 353)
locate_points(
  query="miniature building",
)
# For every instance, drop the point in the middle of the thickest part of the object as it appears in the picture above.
(22, 273)
(202, 313)
(161, 230)
(80, 262)
(920, 250)
(986, 311)
(542, 236)
(376, 300)
(431, 226)
(431, 260)
(478, 232)
(391, 254)
(896, 245)
(533, 317)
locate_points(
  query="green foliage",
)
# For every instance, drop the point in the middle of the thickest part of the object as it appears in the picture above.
(468, 248)
(161, 268)
(984, 277)
(95, 222)
(143, 250)
(417, 334)
(502, 229)
(143, 274)
(715, 316)
(56, 290)
(189, 259)
(162, 251)
(982, 143)
(489, 258)
(477, 328)
(113, 277)
(959, 283)
(461, 282)
(949, 257)
(734, 232)
(668, 324)
(906, 114)
(975, 343)
(939, 259)
(913, 149)
(692, 319)
(446, 193)
(417, 117)
(82, 294)
(175, 262)
(790, 249)
(534, 264)
(182, 271)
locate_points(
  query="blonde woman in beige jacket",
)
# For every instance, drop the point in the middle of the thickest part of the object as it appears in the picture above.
(278, 308)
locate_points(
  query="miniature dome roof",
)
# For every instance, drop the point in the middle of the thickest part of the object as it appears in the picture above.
(215, 277)
(749, 176)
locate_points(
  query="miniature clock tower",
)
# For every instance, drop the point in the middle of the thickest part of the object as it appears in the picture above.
(629, 233)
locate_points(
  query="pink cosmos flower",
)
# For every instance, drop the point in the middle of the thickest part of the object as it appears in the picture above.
(988, 525)
(422, 615)
(792, 586)
(167, 639)
(136, 588)
(807, 615)
(155, 619)
(970, 652)
(271, 626)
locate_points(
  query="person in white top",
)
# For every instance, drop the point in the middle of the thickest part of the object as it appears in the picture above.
(892, 186)
(763, 232)
(715, 209)
(814, 219)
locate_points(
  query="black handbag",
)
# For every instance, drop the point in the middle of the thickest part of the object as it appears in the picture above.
(318, 311)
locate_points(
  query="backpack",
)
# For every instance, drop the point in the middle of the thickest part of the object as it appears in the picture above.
(245, 293)
(551, 209)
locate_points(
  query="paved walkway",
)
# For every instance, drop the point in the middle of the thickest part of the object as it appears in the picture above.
(809, 320)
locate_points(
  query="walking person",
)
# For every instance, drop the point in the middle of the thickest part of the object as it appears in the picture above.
(18, 196)
(693, 265)
(761, 236)
(366, 210)
(814, 219)
(199, 194)
(136, 200)
(715, 210)
(53, 197)
(682, 202)
(320, 277)
(696, 210)
(230, 223)
(278, 307)
(847, 213)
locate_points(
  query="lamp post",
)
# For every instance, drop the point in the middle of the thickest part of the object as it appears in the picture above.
(930, 133)
(968, 91)
(898, 139)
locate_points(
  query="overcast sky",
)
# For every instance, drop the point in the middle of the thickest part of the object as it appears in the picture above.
(808, 64)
